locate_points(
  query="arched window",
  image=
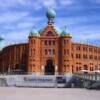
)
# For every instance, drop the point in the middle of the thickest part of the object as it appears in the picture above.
(46, 52)
(33, 51)
(45, 42)
(53, 42)
(85, 67)
(49, 51)
(49, 42)
(53, 51)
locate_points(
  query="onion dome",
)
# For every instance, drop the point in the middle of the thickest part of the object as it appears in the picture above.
(65, 33)
(34, 32)
(41, 30)
(50, 13)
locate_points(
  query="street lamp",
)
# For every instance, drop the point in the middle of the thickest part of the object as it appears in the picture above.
(42, 69)
(56, 70)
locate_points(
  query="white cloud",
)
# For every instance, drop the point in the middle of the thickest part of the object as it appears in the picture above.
(24, 23)
(78, 21)
(6, 4)
(10, 3)
(66, 2)
(71, 20)
(57, 4)
(28, 22)
(49, 3)
(21, 22)
(36, 4)
(85, 33)
(95, 1)
(9, 17)
(8, 27)
(89, 38)
(16, 37)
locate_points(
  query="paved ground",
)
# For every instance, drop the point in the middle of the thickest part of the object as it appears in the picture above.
(11, 93)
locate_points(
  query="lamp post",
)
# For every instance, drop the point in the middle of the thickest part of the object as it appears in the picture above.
(56, 70)
(42, 69)
(9, 69)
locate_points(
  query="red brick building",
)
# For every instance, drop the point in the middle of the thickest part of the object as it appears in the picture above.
(50, 52)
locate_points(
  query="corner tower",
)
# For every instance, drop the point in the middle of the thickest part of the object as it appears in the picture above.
(65, 52)
(34, 52)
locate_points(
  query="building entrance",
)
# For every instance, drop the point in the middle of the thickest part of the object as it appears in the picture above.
(49, 68)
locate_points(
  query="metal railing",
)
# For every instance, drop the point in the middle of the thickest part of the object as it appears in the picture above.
(88, 76)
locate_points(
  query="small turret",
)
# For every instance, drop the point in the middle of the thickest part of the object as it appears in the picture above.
(65, 33)
(34, 32)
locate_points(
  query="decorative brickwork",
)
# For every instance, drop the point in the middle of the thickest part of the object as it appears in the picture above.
(50, 52)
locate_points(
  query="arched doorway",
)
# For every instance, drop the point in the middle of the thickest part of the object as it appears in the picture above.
(17, 66)
(85, 67)
(49, 68)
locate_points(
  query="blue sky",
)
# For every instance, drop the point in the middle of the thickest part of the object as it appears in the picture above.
(17, 17)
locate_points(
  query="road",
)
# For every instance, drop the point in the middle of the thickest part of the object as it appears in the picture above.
(12, 93)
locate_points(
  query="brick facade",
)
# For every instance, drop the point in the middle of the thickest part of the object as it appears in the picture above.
(14, 57)
(50, 53)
